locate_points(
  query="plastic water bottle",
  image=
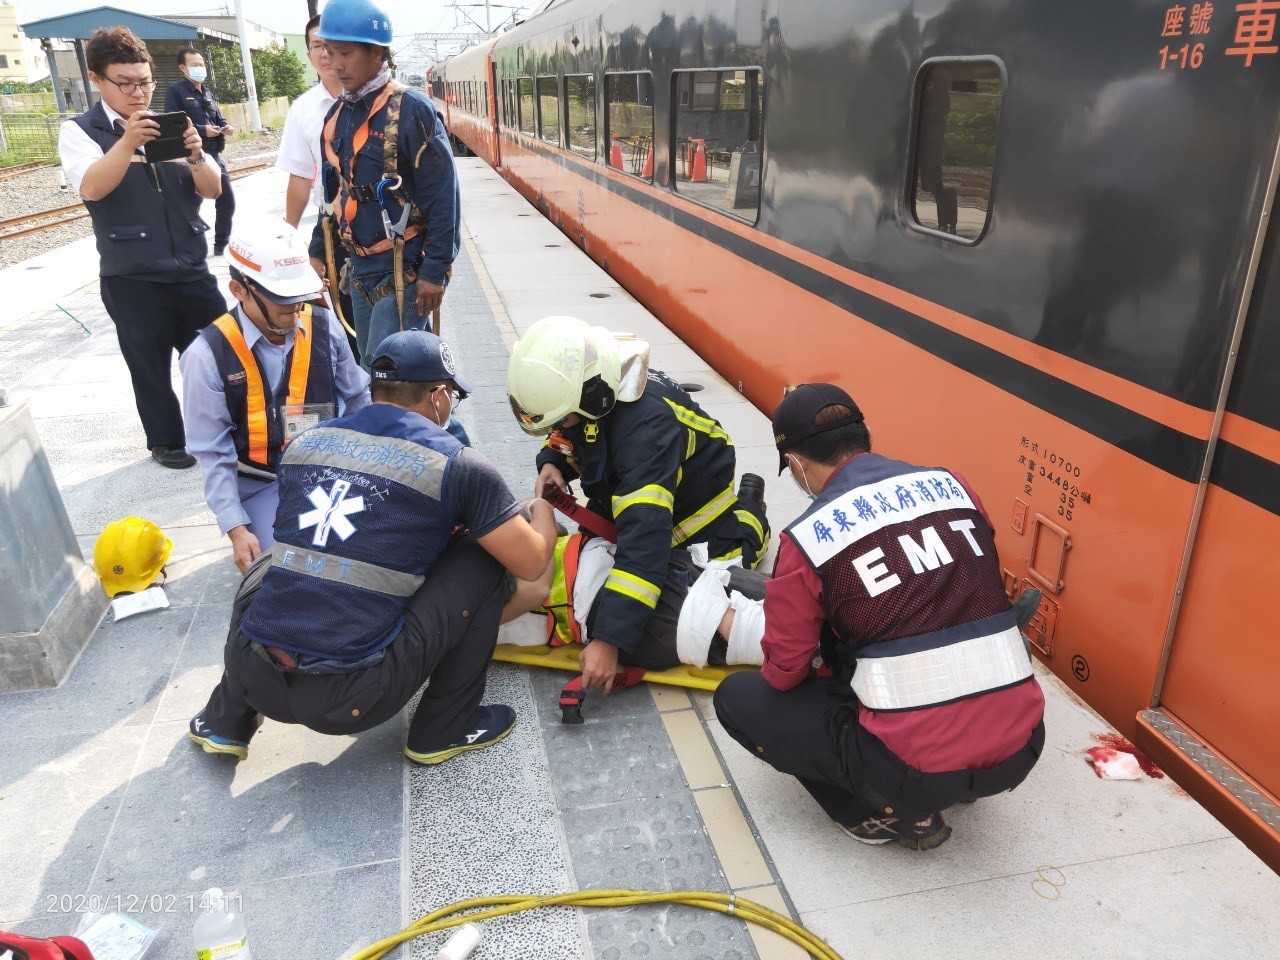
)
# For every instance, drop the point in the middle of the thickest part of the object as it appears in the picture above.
(219, 933)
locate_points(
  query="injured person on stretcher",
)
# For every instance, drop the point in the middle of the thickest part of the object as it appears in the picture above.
(709, 612)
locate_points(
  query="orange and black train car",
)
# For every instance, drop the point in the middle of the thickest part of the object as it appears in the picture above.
(1034, 241)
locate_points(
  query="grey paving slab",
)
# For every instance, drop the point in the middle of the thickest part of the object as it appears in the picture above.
(301, 803)
(199, 666)
(1062, 815)
(1093, 910)
(105, 472)
(58, 796)
(118, 681)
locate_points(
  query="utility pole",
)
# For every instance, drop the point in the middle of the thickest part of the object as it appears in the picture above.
(246, 58)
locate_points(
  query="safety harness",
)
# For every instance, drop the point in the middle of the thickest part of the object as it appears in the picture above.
(260, 423)
(390, 189)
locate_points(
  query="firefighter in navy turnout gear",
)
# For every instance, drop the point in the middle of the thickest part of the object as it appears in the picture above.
(892, 574)
(395, 552)
(388, 174)
(258, 376)
(648, 458)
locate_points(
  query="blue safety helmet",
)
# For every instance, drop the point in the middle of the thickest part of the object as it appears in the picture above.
(355, 21)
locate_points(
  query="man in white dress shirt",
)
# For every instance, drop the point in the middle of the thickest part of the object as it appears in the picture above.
(155, 283)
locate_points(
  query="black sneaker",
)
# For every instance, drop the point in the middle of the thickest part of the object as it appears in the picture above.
(490, 724)
(219, 249)
(922, 835)
(751, 490)
(175, 458)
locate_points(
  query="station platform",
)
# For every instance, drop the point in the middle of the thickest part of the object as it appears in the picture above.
(333, 843)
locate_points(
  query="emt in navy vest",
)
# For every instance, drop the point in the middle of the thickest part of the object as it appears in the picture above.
(257, 377)
(892, 574)
(192, 97)
(395, 552)
(155, 285)
(388, 173)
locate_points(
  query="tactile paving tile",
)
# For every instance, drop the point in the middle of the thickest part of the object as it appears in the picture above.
(485, 824)
(630, 821)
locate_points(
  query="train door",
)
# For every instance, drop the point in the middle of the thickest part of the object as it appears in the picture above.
(1216, 705)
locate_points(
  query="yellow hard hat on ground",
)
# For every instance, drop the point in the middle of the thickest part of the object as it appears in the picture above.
(129, 555)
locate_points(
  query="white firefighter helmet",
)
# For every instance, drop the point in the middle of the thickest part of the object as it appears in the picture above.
(560, 367)
(272, 257)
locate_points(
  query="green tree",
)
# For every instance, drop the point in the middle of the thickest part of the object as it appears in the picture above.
(226, 75)
(277, 72)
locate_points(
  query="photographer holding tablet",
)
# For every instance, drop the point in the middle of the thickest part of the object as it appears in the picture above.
(155, 283)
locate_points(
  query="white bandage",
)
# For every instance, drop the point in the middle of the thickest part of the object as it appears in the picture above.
(594, 563)
(747, 631)
(700, 616)
(526, 630)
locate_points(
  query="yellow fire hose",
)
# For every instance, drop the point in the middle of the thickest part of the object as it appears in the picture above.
(486, 908)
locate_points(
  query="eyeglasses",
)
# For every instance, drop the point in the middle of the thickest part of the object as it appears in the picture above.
(128, 88)
(455, 395)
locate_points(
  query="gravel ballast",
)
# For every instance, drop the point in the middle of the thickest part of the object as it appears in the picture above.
(42, 190)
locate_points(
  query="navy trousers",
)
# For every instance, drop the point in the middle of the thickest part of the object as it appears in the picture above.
(152, 321)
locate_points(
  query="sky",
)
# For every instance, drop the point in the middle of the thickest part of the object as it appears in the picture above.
(286, 16)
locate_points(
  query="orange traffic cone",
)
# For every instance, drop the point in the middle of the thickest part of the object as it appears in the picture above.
(615, 155)
(647, 172)
(698, 165)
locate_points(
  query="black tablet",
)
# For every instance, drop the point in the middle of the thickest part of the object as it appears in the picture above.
(169, 145)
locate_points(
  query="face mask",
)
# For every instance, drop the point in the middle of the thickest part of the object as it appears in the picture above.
(448, 407)
(198, 74)
(804, 487)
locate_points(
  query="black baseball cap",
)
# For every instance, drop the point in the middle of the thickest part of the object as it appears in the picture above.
(793, 420)
(415, 356)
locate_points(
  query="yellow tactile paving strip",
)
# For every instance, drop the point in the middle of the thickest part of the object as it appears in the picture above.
(741, 857)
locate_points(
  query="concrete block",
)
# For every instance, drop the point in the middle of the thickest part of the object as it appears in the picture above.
(50, 601)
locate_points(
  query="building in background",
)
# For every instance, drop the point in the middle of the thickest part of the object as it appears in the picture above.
(21, 59)
(297, 42)
(259, 36)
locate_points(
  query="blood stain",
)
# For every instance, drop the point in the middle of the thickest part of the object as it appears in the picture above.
(1117, 742)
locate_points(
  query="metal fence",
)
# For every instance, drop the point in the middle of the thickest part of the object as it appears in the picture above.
(31, 136)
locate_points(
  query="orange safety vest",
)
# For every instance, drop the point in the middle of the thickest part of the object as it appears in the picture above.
(345, 205)
(260, 435)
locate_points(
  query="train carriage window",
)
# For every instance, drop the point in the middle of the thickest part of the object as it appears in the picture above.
(580, 109)
(549, 110)
(716, 153)
(957, 114)
(528, 119)
(628, 99)
(484, 99)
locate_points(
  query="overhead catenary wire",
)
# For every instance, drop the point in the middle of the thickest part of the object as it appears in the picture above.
(489, 908)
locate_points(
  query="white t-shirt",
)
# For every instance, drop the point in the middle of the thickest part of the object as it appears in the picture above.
(300, 149)
(78, 151)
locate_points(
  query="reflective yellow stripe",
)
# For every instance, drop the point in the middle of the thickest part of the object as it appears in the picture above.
(655, 495)
(735, 552)
(629, 585)
(691, 524)
(749, 518)
(701, 424)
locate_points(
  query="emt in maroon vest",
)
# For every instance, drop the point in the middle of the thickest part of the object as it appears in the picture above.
(892, 575)
(257, 377)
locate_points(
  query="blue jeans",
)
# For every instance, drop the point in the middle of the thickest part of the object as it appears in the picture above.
(374, 322)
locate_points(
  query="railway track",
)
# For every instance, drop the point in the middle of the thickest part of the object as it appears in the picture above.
(9, 173)
(55, 217)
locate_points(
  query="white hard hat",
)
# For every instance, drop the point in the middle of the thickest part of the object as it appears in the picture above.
(272, 256)
(562, 366)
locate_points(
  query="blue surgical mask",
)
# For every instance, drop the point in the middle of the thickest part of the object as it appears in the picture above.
(198, 74)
